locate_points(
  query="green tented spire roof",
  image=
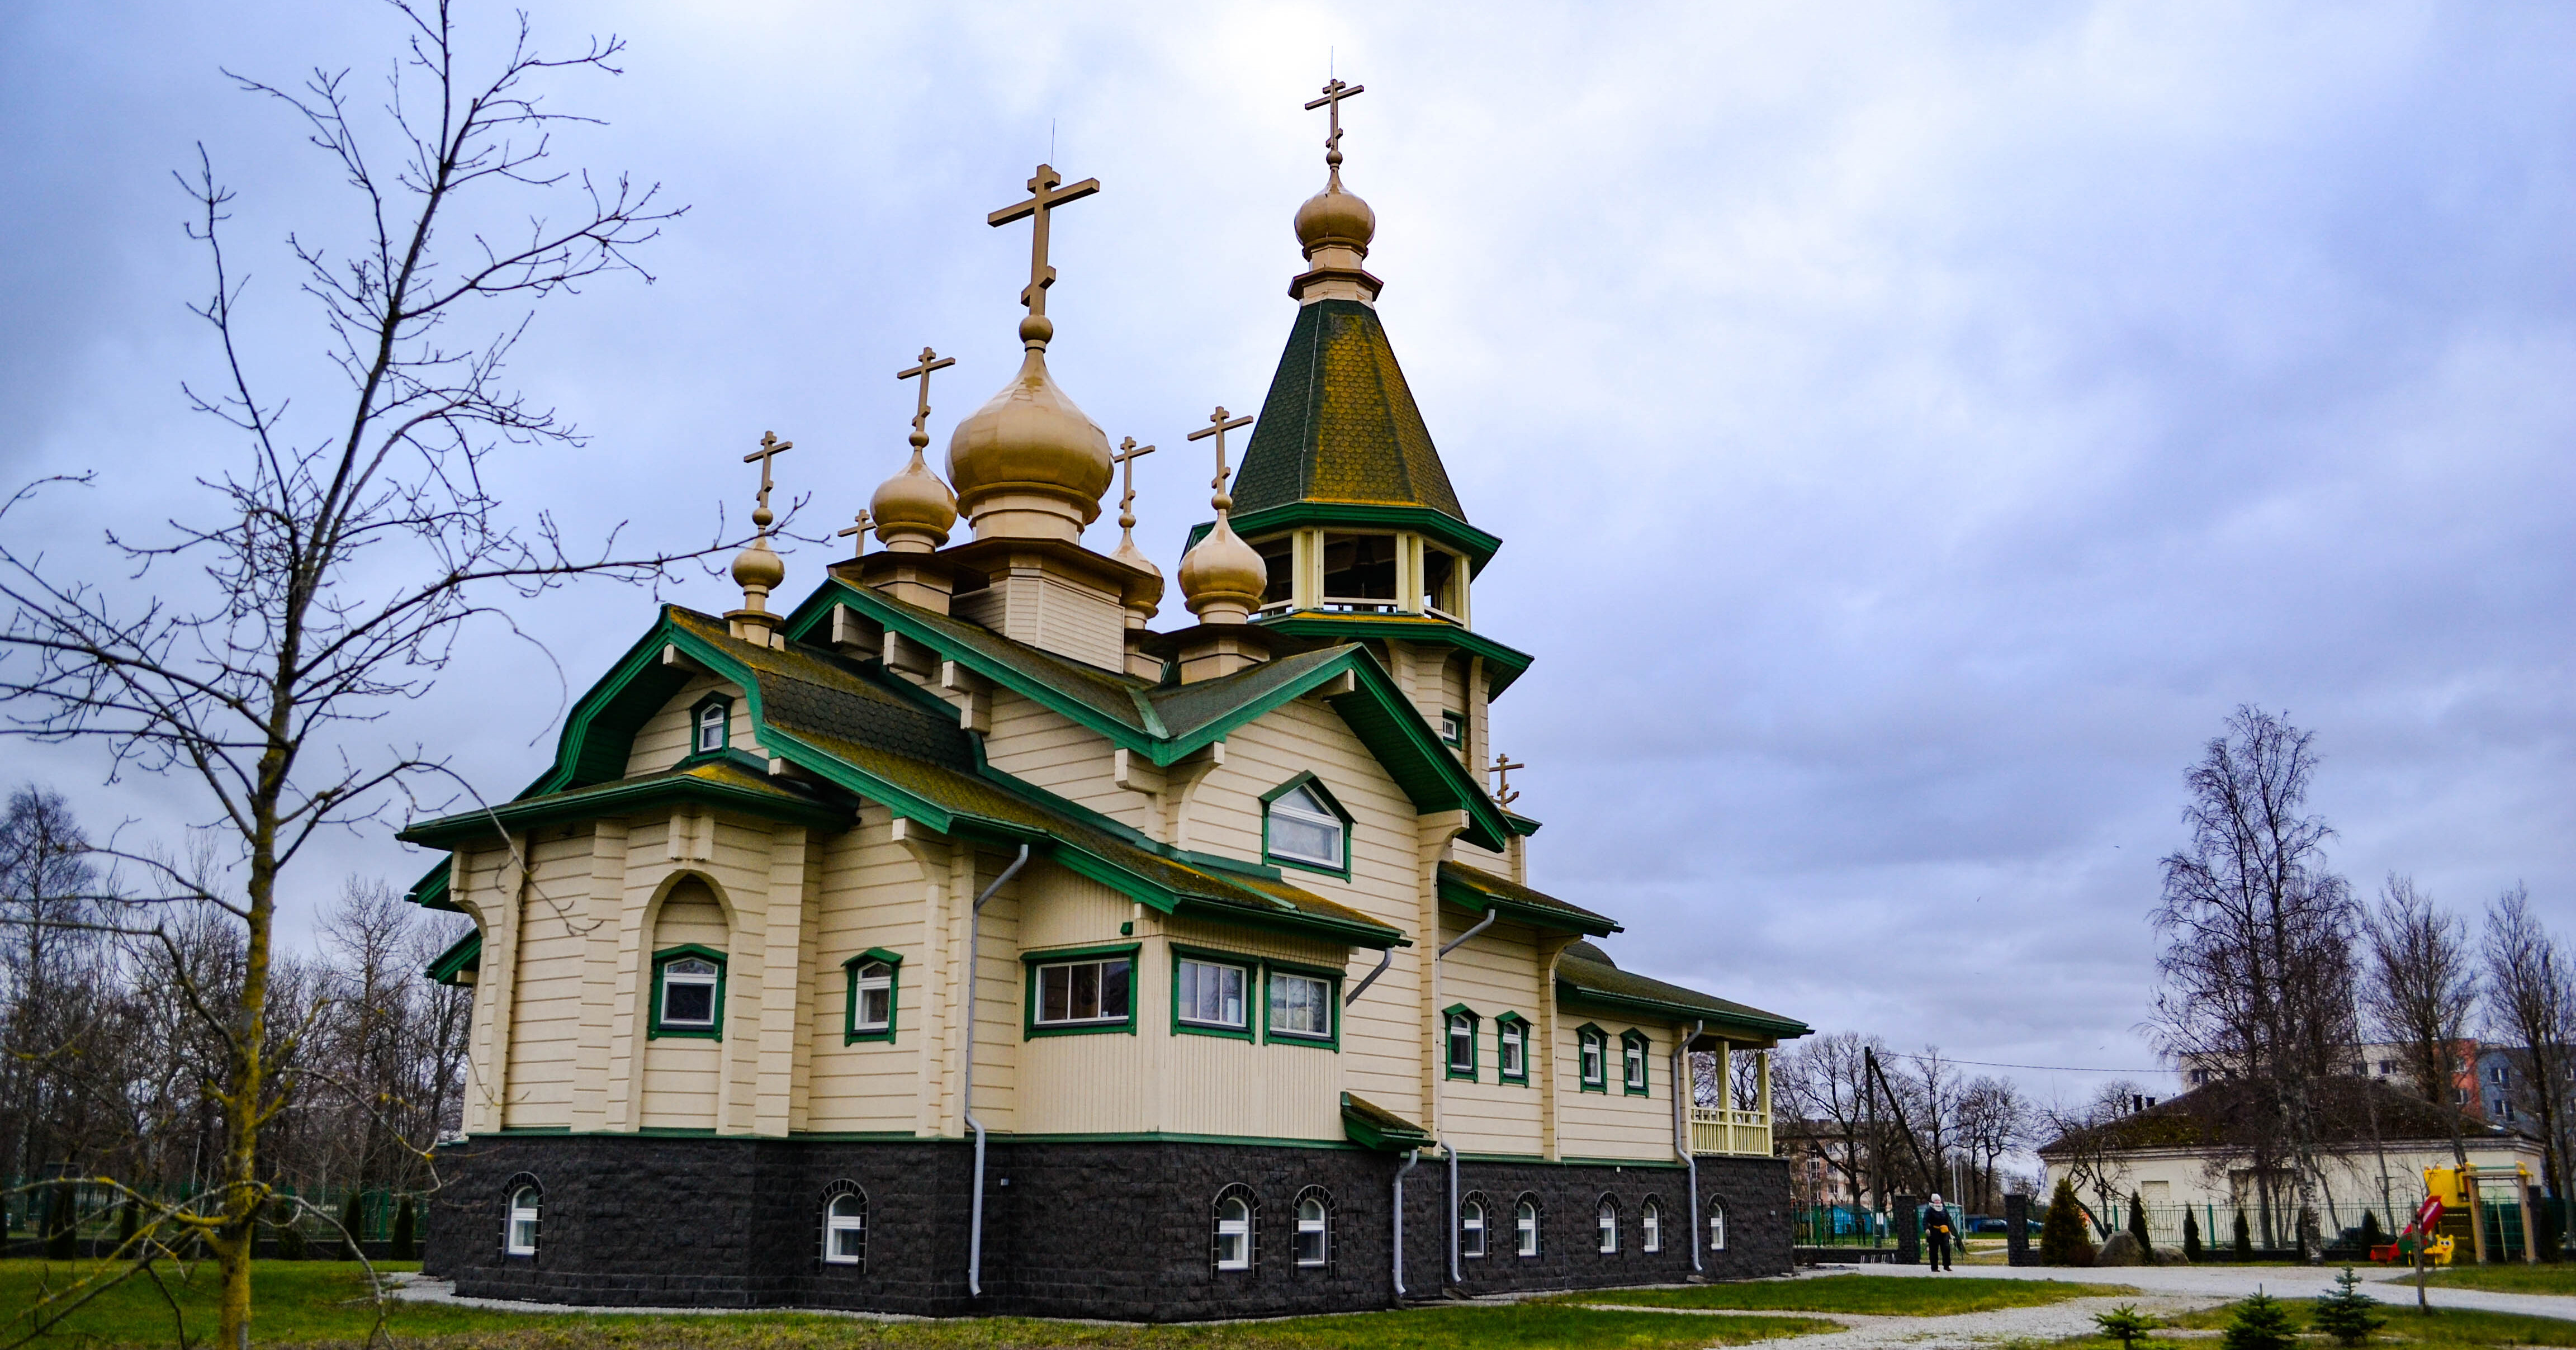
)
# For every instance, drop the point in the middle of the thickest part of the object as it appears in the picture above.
(1340, 425)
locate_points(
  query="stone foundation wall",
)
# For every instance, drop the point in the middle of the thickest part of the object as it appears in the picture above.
(1110, 1229)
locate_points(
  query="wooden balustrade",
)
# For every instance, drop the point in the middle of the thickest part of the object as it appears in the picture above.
(1722, 1130)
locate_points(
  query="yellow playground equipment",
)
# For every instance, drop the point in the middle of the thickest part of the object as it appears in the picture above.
(2457, 1190)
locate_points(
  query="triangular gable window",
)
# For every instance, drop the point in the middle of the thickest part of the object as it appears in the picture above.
(1305, 828)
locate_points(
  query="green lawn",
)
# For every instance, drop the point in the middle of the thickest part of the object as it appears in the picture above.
(2442, 1329)
(325, 1303)
(1884, 1295)
(2510, 1278)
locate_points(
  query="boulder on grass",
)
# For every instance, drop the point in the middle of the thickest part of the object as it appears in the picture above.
(2120, 1250)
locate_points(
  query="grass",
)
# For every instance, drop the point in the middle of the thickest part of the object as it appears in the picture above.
(2512, 1278)
(2442, 1329)
(325, 1303)
(1880, 1295)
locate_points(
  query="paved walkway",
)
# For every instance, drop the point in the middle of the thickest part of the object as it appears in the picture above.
(2219, 1283)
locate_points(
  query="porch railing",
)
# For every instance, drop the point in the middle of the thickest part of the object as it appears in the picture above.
(1717, 1129)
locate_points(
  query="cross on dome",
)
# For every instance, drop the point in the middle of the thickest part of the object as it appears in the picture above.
(1334, 93)
(1503, 793)
(770, 448)
(1044, 196)
(1128, 453)
(859, 527)
(1217, 427)
(930, 361)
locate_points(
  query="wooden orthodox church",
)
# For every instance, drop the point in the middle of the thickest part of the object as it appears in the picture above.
(954, 941)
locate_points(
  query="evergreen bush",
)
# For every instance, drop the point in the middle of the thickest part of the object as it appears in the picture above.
(2062, 1240)
(2244, 1238)
(405, 1239)
(2261, 1323)
(2372, 1235)
(62, 1224)
(2345, 1314)
(353, 1218)
(129, 1216)
(2125, 1324)
(2190, 1236)
(2138, 1223)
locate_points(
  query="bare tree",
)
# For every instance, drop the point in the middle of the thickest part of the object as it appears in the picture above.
(1994, 1120)
(2089, 1152)
(1823, 1083)
(333, 570)
(2419, 987)
(2531, 1003)
(2257, 965)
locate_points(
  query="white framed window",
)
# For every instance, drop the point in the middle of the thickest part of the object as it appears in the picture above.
(1233, 1233)
(1511, 1049)
(1314, 1230)
(1096, 992)
(1716, 1227)
(1462, 1043)
(1605, 1225)
(1210, 994)
(521, 1238)
(1525, 1228)
(1650, 1227)
(845, 1229)
(1303, 827)
(1632, 1064)
(1453, 729)
(688, 992)
(714, 726)
(872, 997)
(1594, 1059)
(1301, 1006)
(1471, 1228)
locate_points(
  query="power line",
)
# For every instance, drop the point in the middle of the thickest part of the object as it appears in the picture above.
(2047, 1068)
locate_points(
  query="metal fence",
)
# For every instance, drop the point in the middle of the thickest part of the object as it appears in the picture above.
(28, 1210)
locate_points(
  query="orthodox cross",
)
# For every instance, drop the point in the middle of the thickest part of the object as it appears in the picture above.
(1217, 426)
(1503, 766)
(1334, 93)
(770, 448)
(930, 361)
(1044, 197)
(859, 527)
(1128, 452)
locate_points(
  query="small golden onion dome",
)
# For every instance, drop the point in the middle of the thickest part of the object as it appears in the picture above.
(758, 568)
(1335, 217)
(1144, 592)
(1030, 440)
(1223, 574)
(914, 500)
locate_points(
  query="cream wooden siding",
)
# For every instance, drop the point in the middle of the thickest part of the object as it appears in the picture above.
(1496, 973)
(664, 739)
(1614, 1125)
(871, 895)
(1213, 1085)
(1382, 1043)
(545, 1023)
(683, 1075)
(1482, 859)
(1045, 749)
(1082, 1084)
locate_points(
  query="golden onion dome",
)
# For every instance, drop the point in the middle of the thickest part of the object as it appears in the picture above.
(914, 500)
(1335, 217)
(1030, 440)
(1142, 592)
(759, 567)
(1223, 573)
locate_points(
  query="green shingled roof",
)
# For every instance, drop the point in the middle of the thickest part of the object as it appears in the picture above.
(1475, 890)
(1340, 423)
(1584, 974)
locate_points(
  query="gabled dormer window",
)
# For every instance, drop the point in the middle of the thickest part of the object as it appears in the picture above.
(1303, 826)
(711, 725)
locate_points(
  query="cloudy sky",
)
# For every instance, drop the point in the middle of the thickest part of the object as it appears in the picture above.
(1912, 428)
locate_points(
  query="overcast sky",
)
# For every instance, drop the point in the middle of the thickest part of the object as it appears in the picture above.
(1912, 429)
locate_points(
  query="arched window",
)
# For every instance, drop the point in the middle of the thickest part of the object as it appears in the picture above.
(1304, 827)
(1471, 1227)
(1716, 1226)
(1236, 1210)
(1605, 1224)
(712, 723)
(845, 1225)
(1314, 1227)
(1525, 1227)
(519, 1234)
(1650, 1226)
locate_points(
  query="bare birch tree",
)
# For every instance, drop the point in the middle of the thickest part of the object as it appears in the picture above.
(2531, 1002)
(332, 568)
(2419, 988)
(2259, 935)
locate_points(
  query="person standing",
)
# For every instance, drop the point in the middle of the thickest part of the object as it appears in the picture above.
(1936, 1232)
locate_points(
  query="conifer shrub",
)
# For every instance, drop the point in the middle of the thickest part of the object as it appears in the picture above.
(2372, 1235)
(62, 1224)
(2190, 1236)
(2244, 1238)
(2062, 1240)
(2125, 1324)
(129, 1216)
(2261, 1323)
(406, 1236)
(353, 1216)
(2138, 1223)
(2345, 1314)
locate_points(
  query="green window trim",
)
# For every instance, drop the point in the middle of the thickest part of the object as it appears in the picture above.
(1332, 806)
(654, 1029)
(1252, 979)
(1032, 962)
(1590, 1037)
(697, 734)
(1448, 1060)
(851, 1032)
(1638, 1041)
(1332, 1006)
(1503, 1024)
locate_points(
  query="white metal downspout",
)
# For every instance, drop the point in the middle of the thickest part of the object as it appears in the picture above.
(1681, 1135)
(966, 1090)
(1491, 913)
(1412, 1159)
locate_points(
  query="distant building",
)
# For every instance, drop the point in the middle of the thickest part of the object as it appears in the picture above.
(2380, 1062)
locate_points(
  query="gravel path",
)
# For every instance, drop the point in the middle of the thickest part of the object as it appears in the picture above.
(2234, 1282)
(2056, 1321)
